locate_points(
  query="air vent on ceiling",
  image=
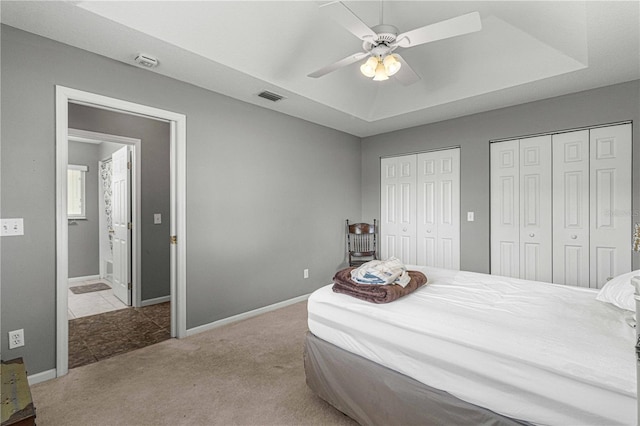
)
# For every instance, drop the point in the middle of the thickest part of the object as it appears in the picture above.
(274, 97)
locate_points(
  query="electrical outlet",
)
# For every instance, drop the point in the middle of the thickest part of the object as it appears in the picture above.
(305, 273)
(16, 338)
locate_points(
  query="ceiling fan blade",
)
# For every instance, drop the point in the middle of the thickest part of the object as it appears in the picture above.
(344, 16)
(460, 25)
(406, 75)
(336, 65)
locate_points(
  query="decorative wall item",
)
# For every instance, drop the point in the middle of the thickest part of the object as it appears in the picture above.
(105, 175)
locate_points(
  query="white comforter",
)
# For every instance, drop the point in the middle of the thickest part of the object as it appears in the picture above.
(540, 352)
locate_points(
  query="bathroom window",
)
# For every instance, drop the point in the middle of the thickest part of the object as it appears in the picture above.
(76, 201)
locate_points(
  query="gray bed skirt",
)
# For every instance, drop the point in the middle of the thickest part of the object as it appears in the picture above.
(372, 394)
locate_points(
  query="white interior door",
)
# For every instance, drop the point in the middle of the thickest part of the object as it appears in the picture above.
(535, 209)
(121, 217)
(610, 232)
(438, 209)
(505, 209)
(398, 209)
(427, 213)
(571, 208)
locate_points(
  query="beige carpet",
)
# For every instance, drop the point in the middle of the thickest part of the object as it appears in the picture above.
(246, 373)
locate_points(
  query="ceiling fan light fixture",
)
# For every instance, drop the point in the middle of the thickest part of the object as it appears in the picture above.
(369, 67)
(391, 64)
(381, 73)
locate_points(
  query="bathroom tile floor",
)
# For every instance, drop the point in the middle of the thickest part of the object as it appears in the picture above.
(97, 302)
(97, 337)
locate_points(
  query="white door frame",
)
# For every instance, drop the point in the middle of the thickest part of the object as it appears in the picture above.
(178, 140)
(86, 136)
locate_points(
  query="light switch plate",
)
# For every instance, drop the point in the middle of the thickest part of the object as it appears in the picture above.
(470, 217)
(11, 227)
(157, 218)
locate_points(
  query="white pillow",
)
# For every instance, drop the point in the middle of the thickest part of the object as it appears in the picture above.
(619, 291)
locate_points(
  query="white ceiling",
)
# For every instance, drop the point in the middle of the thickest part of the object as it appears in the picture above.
(524, 52)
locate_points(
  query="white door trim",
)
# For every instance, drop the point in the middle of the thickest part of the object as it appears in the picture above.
(178, 138)
(86, 136)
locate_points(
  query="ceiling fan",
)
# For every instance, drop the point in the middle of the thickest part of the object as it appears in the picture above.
(379, 42)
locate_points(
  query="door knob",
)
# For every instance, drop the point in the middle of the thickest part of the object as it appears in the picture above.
(428, 231)
(532, 235)
(404, 229)
(573, 237)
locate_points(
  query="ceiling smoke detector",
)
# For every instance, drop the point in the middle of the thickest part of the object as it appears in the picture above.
(146, 60)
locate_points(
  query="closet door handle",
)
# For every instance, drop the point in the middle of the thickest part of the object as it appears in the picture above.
(404, 229)
(532, 235)
(573, 237)
(428, 231)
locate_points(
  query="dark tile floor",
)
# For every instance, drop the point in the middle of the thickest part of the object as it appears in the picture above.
(102, 336)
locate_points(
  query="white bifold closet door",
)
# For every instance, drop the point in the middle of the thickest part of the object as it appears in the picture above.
(571, 208)
(521, 239)
(610, 195)
(592, 205)
(561, 206)
(398, 208)
(438, 209)
(505, 208)
(420, 208)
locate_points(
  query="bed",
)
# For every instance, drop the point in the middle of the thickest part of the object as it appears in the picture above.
(472, 348)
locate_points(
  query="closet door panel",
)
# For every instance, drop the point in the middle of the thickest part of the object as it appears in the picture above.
(388, 213)
(448, 213)
(427, 226)
(571, 208)
(398, 208)
(535, 209)
(406, 251)
(610, 192)
(505, 209)
(438, 213)
(575, 267)
(448, 257)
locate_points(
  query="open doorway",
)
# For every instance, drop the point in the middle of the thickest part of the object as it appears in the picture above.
(67, 100)
(94, 214)
(103, 196)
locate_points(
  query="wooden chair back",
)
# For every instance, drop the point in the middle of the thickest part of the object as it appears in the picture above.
(361, 242)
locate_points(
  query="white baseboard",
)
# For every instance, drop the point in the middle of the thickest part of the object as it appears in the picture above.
(87, 278)
(155, 301)
(245, 315)
(41, 377)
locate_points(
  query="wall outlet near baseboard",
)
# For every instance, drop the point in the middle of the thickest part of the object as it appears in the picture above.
(305, 273)
(16, 338)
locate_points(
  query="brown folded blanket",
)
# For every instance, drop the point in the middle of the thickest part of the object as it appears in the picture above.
(375, 293)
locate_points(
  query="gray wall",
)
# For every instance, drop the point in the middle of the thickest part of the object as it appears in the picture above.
(267, 194)
(473, 133)
(154, 136)
(83, 233)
